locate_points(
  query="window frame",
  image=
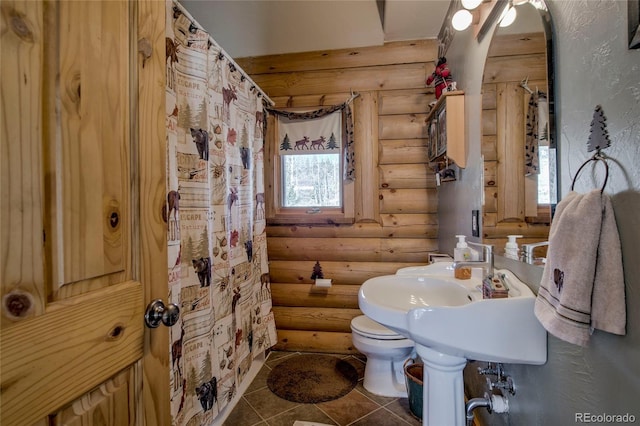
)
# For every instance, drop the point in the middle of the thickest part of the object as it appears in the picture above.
(277, 214)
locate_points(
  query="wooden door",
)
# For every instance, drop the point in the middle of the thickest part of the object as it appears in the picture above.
(82, 244)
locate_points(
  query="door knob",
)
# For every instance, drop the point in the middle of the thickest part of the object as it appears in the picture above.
(158, 313)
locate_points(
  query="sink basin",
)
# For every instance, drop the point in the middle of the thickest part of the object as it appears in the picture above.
(389, 298)
(436, 310)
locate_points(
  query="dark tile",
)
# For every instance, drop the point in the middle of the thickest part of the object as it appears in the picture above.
(243, 415)
(382, 400)
(276, 358)
(267, 403)
(380, 417)
(260, 381)
(360, 356)
(400, 407)
(304, 412)
(357, 364)
(349, 408)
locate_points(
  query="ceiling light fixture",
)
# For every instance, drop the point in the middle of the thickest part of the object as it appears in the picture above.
(461, 20)
(508, 16)
(470, 14)
(471, 4)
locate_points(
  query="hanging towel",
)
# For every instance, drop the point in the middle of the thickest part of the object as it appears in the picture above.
(537, 131)
(608, 308)
(543, 119)
(582, 285)
(531, 160)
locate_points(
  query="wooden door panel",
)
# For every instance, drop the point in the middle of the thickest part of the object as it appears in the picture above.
(77, 345)
(88, 145)
(22, 252)
(110, 404)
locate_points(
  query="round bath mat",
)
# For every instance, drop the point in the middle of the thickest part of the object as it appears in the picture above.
(312, 378)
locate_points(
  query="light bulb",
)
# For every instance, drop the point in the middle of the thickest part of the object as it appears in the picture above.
(509, 17)
(471, 4)
(461, 20)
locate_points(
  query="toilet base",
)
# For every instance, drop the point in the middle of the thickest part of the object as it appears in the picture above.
(385, 378)
(386, 353)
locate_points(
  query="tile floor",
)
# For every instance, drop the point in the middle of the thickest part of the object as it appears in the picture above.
(260, 407)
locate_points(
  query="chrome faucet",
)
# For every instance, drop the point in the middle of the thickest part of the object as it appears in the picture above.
(527, 251)
(486, 263)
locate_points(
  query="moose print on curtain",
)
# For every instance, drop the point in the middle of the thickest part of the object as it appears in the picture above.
(218, 271)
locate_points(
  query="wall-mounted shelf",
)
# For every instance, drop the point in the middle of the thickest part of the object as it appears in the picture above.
(446, 130)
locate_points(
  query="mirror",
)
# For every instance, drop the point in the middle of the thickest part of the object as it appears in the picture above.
(520, 190)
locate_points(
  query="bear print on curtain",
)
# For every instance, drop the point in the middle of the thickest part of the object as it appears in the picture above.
(218, 271)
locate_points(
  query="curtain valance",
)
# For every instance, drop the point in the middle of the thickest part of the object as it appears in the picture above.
(344, 141)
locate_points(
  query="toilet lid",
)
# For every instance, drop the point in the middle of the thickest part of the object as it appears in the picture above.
(367, 327)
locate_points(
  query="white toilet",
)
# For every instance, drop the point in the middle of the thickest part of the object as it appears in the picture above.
(386, 353)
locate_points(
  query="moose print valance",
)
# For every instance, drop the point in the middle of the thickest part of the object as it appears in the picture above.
(319, 136)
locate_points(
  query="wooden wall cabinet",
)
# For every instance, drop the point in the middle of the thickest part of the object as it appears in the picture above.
(446, 130)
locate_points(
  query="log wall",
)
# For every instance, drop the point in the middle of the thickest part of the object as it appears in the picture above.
(396, 202)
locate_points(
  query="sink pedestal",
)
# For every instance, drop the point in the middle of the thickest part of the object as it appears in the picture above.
(443, 392)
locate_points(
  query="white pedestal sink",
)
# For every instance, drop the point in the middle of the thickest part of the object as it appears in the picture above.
(450, 323)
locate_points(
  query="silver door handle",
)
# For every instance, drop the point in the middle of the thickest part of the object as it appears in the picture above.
(158, 313)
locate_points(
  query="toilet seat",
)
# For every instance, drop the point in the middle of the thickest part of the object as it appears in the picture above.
(367, 327)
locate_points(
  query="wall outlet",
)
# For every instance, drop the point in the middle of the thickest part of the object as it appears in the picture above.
(475, 223)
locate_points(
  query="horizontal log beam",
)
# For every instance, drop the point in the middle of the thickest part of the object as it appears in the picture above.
(351, 249)
(407, 176)
(405, 101)
(393, 226)
(342, 273)
(398, 52)
(518, 44)
(387, 77)
(503, 69)
(502, 230)
(499, 243)
(315, 319)
(408, 201)
(403, 126)
(402, 151)
(489, 100)
(315, 341)
(490, 173)
(308, 295)
(489, 149)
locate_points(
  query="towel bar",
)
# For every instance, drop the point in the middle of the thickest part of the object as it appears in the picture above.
(598, 156)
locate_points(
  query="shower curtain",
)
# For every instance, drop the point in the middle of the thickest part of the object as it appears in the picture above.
(218, 273)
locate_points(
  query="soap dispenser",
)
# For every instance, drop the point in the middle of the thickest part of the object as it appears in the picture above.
(511, 248)
(462, 253)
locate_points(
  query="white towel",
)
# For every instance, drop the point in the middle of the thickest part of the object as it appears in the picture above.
(582, 284)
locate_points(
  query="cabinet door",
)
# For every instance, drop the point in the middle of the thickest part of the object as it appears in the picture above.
(73, 288)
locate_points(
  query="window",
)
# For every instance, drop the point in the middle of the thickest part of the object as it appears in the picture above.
(311, 180)
(307, 176)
